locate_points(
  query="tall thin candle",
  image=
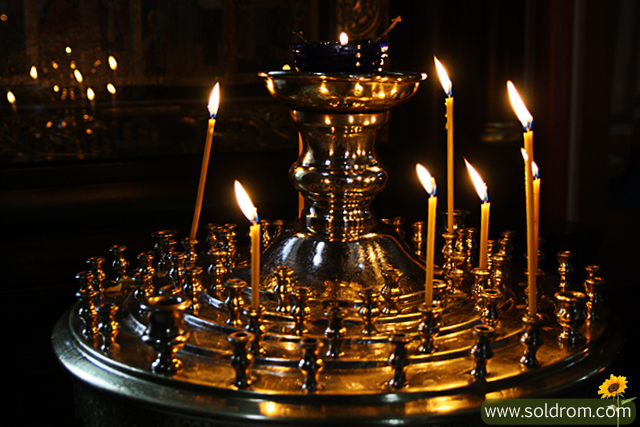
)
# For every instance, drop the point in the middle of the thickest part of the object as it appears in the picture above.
(214, 102)
(483, 193)
(447, 86)
(250, 211)
(429, 184)
(532, 239)
(300, 196)
(535, 172)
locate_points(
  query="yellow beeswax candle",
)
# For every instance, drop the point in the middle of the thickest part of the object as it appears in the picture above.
(447, 86)
(532, 239)
(214, 102)
(249, 210)
(429, 184)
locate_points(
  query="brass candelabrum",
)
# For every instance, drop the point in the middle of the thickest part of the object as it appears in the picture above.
(343, 334)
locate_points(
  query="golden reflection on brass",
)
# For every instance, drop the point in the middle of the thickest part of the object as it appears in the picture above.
(337, 251)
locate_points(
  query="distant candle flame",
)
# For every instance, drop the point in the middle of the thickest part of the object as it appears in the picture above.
(427, 181)
(481, 187)
(286, 67)
(245, 203)
(11, 97)
(91, 95)
(54, 64)
(521, 110)
(111, 89)
(68, 49)
(113, 64)
(78, 75)
(56, 88)
(214, 100)
(444, 77)
(344, 38)
(34, 72)
(535, 172)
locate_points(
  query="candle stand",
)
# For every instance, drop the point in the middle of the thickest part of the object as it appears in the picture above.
(342, 337)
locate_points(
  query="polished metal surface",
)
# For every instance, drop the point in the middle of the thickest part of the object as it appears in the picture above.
(438, 387)
(341, 336)
(342, 93)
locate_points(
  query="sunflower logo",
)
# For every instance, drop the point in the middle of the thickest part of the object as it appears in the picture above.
(613, 386)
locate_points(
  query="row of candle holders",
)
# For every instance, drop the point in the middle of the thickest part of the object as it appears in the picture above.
(169, 283)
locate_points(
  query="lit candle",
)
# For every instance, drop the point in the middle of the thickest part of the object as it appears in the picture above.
(429, 184)
(300, 196)
(481, 189)
(532, 239)
(112, 90)
(448, 102)
(113, 64)
(12, 100)
(214, 102)
(250, 211)
(91, 96)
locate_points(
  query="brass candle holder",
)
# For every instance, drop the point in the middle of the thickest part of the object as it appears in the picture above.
(320, 275)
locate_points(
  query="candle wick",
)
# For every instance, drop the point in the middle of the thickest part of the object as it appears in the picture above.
(393, 24)
(299, 34)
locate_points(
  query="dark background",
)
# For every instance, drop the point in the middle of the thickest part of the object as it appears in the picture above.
(573, 62)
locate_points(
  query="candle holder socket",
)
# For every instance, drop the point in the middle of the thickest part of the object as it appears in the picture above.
(429, 326)
(531, 339)
(310, 364)
(255, 327)
(369, 311)
(335, 331)
(241, 358)
(481, 350)
(571, 314)
(108, 327)
(167, 332)
(399, 360)
(234, 301)
(490, 311)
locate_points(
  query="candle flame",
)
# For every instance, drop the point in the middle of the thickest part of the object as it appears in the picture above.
(111, 89)
(214, 101)
(245, 203)
(481, 187)
(521, 110)
(91, 95)
(113, 64)
(56, 88)
(68, 49)
(286, 67)
(535, 172)
(11, 97)
(344, 38)
(34, 72)
(444, 77)
(78, 75)
(427, 181)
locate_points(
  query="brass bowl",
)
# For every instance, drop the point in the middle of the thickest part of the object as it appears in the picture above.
(342, 93)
